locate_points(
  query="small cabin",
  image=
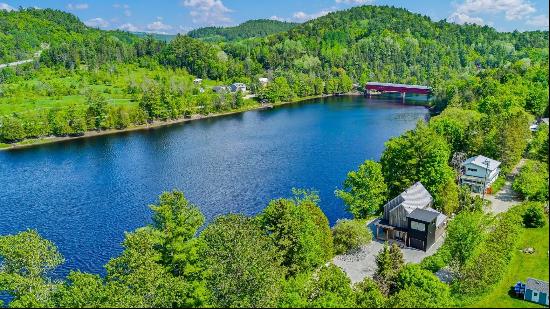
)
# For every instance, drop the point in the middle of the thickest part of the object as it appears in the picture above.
(536, 291)
(197, 81)
(238, 87)
(479, 172)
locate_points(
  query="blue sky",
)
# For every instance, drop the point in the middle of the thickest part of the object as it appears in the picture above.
(173, 16)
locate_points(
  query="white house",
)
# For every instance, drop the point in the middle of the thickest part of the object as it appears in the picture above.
(238, 86)
(479, 172)
(197, 81)
(263, 81)
(536, 291)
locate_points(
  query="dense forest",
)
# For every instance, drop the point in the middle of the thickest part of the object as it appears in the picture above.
(250, 29)
(488, 88)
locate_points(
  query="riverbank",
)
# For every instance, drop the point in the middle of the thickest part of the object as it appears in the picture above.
(157, 124)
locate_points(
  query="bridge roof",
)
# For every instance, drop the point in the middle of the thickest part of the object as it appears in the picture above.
(398, 85)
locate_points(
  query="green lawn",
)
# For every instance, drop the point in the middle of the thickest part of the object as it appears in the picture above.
(522, 266)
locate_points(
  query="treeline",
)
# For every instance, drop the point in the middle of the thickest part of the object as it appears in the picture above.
(379, 43)
(279, 258)
(250, 29)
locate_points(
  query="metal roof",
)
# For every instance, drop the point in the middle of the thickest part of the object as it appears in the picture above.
(482, 161)
(537, 285)
(423, 215)
(416, 197)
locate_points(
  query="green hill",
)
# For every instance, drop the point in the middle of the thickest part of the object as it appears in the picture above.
(389, 44)
(23, 32)
(249, 29)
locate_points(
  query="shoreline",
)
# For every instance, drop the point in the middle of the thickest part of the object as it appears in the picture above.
(155, 124)
(158, 124)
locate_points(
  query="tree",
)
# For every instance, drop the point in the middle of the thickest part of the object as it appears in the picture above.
(534, 217)
(389, 262)
(420, 288)
(418, 155)
(97, 109)
(368, 295)
(298, 235)
(25, 262)
(464, 234)
(239, 100)
(243, 265)
(350, 235)
(538, 148)
(11, 129)
(532, 181)
(145, 281)
(364, 190)
(330, 287)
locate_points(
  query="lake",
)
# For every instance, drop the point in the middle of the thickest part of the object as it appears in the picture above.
(84, 194)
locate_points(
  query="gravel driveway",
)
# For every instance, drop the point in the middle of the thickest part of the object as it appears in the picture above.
(362, 263)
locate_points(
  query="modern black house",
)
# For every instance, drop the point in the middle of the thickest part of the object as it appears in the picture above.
(409, 218)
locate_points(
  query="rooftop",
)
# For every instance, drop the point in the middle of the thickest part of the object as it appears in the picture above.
(482, 161)
(416, 197)
(537, 285)
(423, 215)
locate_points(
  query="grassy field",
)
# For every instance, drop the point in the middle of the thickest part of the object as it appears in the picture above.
(522, 266)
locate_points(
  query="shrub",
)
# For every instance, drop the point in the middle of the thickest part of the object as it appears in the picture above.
(534, 217)
(350, 235)
(532, 181)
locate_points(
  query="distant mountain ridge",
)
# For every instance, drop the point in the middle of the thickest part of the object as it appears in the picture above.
(250, 29)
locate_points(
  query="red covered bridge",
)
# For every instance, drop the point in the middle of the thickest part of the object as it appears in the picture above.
(400, 88)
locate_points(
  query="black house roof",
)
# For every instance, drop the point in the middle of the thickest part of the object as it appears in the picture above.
(423, 215)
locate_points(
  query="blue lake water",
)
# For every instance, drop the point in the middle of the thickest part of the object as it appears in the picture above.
(84, 194)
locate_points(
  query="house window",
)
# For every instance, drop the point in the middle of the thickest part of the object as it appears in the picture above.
(418, 226)
(535, 294)
(472, 169)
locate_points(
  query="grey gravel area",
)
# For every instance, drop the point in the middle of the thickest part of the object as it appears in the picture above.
(506, 198)
(362, 263)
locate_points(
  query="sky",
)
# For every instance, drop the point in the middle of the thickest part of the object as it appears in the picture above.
(180, 16)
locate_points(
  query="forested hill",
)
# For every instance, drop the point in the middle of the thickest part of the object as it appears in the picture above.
(390, 44)
(249, 29)
(23, 32)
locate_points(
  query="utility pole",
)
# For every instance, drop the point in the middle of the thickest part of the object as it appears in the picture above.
(485, 180)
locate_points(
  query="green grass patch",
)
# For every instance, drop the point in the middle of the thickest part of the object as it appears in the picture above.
(521, 267)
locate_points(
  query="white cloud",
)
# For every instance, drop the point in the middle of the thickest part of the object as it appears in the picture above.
(6, 7)
(512, 9)
(158, 26)
(77, 6)
(125, 9)
(354, 2)
(461, 18)
(97, 22)
(129, 27)
(538, 21)
(211, 12)
(301, 16)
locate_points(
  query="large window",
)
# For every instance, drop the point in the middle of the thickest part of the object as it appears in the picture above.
(472, 169)
(418, 226)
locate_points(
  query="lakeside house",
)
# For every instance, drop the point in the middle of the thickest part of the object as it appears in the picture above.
(238, 87)
(410, 218)
(536, 291)
(479, 172)
(197, 81)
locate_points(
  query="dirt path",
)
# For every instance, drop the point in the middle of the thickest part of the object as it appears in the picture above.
(506, 198)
